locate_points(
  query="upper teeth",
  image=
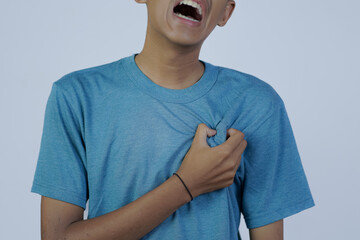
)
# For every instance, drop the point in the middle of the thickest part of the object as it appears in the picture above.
(193, 4)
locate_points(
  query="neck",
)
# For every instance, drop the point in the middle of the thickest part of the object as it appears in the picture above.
(168, 64)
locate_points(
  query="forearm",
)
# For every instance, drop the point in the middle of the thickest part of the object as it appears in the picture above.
(135, 219)
(272, 231)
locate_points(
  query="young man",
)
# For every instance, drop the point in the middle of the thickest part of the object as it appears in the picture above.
(116, 133)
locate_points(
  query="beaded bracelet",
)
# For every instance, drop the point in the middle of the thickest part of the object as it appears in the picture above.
(184, 185)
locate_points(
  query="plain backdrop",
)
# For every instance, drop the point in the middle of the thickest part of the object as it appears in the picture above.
(307, 50)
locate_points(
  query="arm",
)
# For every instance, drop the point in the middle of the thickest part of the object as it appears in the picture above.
(61, 220)
(204, 169)
(273, 231)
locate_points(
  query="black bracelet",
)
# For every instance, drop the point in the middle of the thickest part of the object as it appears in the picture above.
(184, 185)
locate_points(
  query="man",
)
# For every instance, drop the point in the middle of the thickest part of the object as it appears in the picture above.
(116, 133)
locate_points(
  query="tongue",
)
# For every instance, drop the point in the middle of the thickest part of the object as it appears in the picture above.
(187, 11)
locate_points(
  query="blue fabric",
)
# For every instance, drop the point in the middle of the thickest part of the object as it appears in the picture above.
(111, 135)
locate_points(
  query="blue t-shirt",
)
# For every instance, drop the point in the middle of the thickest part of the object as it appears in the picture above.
(111, 135)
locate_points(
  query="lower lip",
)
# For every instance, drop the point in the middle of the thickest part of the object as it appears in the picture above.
(187, 22)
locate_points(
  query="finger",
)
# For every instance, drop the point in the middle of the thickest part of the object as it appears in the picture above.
(235, 137)
(241, 147)
(238, 152)
(202, 133)
(241, 150)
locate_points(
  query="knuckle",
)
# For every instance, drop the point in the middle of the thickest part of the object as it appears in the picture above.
(230, 165)
(235, 164)
(241, 134)
(201, 125)
(239, 161)
(226, 151)
(230, 181)
(237, 167)
(235, 130)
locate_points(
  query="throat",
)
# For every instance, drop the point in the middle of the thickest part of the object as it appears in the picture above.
(169, 75)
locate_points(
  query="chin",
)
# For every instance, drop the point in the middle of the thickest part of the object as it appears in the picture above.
(188, 40)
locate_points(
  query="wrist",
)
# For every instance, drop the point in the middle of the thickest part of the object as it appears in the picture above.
(187, 189)
(180, 189)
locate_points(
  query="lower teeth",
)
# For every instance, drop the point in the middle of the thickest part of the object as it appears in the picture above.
(182, 16)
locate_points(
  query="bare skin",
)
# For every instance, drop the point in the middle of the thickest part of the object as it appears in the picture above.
(204, 169)
(170, 58)
(272, 231)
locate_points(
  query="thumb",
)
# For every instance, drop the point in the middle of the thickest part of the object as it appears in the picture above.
(202, 133)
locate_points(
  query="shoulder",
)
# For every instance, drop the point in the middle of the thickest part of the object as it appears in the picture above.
(260, 97)
(85, 87)
(87, 77)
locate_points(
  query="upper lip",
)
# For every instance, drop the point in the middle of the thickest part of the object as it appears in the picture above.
(202, 4)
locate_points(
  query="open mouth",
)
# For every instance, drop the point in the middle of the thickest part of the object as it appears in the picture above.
(189, 10)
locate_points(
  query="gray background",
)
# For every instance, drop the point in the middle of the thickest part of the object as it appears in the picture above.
(307, 50)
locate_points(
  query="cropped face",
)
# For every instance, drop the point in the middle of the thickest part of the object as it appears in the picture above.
(187, 22)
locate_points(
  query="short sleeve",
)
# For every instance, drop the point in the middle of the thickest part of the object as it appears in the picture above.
(274, 184)
(61, 167)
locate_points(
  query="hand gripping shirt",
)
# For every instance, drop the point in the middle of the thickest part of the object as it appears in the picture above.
(111, 135)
